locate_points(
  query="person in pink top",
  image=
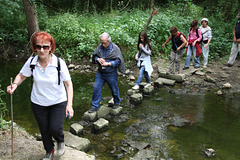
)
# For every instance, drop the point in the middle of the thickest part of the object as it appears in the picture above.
(194, 38)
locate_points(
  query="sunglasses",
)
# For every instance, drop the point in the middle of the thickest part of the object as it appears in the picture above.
(38, 47)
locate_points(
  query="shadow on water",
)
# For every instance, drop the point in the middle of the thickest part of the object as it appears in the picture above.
(214, 121)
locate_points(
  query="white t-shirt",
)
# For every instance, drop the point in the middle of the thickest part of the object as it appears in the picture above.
(45, 89)
(207, 32)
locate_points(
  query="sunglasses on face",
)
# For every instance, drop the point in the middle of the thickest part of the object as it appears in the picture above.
(45, 47)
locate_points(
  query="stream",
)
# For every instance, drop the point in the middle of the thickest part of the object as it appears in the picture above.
(213, 121)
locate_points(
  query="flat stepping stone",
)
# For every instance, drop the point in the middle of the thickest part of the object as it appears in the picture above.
(136, 98)
(100, 125)
(177, 77)
(116, 111)
(76, 129)
(71, 154)
(167, 81)
(76, 142)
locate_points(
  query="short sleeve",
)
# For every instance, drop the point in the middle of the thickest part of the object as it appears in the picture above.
(26, 70)
(64, 73)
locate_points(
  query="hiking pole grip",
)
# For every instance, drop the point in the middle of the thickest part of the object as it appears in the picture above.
(12, 117)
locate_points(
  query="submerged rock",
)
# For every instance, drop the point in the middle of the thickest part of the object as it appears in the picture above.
(227, 85)
(144, 155)
(138, 145)
(210, 152)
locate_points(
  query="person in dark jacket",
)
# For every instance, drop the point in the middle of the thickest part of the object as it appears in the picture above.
(109, 58)
(236, 43)
(178, 43)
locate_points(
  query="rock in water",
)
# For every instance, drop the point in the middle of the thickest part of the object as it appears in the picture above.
(210, 152)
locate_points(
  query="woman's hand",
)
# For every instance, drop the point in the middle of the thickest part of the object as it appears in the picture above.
(140, 45)
(206, 45)
(194, 43)
(12, 88)
(69, 110)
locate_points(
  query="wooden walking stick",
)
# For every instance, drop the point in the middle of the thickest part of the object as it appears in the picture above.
(12, 117)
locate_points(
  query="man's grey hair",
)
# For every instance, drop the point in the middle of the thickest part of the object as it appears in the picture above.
(106, 35)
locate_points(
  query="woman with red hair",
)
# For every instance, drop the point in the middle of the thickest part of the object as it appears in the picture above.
(50, 101)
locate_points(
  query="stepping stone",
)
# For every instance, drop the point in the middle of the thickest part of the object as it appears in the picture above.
(116, 111)
(76, 129)
(78, 143)
(177, 77)
(136, 98)
(148, 90)
(100, 125)
(167, 81)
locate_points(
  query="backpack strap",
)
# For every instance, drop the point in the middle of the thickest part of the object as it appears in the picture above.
(197, 32)
(31, 65)
(58, 69)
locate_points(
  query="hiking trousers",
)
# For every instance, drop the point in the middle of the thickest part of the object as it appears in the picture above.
(111, 79)
(205, 52)
(234, 52)
(175, 58)
(50, 123)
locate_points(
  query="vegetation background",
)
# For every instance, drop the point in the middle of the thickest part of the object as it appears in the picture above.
(77, 24)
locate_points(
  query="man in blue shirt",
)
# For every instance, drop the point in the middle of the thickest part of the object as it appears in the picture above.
(109, 58)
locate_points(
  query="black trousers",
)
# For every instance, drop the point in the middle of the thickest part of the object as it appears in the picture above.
(50, 123)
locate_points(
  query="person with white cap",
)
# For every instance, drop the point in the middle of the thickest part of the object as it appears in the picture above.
(236, 43)
(207, 36)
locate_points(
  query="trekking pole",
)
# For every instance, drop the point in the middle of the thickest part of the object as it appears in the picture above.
(12, 117)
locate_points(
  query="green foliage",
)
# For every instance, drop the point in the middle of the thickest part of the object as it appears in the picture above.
(77, 31)
(13, 23)
(3, 110)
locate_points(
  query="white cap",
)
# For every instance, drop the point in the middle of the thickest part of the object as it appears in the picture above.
(204, 19)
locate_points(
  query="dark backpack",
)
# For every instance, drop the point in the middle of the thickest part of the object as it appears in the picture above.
(58, 68)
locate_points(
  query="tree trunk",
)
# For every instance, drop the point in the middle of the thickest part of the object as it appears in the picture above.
(32, 22)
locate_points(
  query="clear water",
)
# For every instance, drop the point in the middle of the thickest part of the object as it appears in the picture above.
(215, 120)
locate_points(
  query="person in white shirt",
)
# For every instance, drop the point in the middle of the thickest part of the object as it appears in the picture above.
(206, 39)
(49, 100)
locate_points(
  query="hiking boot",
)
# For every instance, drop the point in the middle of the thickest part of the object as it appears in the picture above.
(92, 110)
(204, 66)
(227, 64)
(169, 71)
(185, 68)
(115, 106)
(196, 66)
(60, 148)
(136, 87)
(176, 72)
(49, 156)
(147, 85)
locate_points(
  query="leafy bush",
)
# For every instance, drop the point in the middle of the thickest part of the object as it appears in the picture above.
(3, 110)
